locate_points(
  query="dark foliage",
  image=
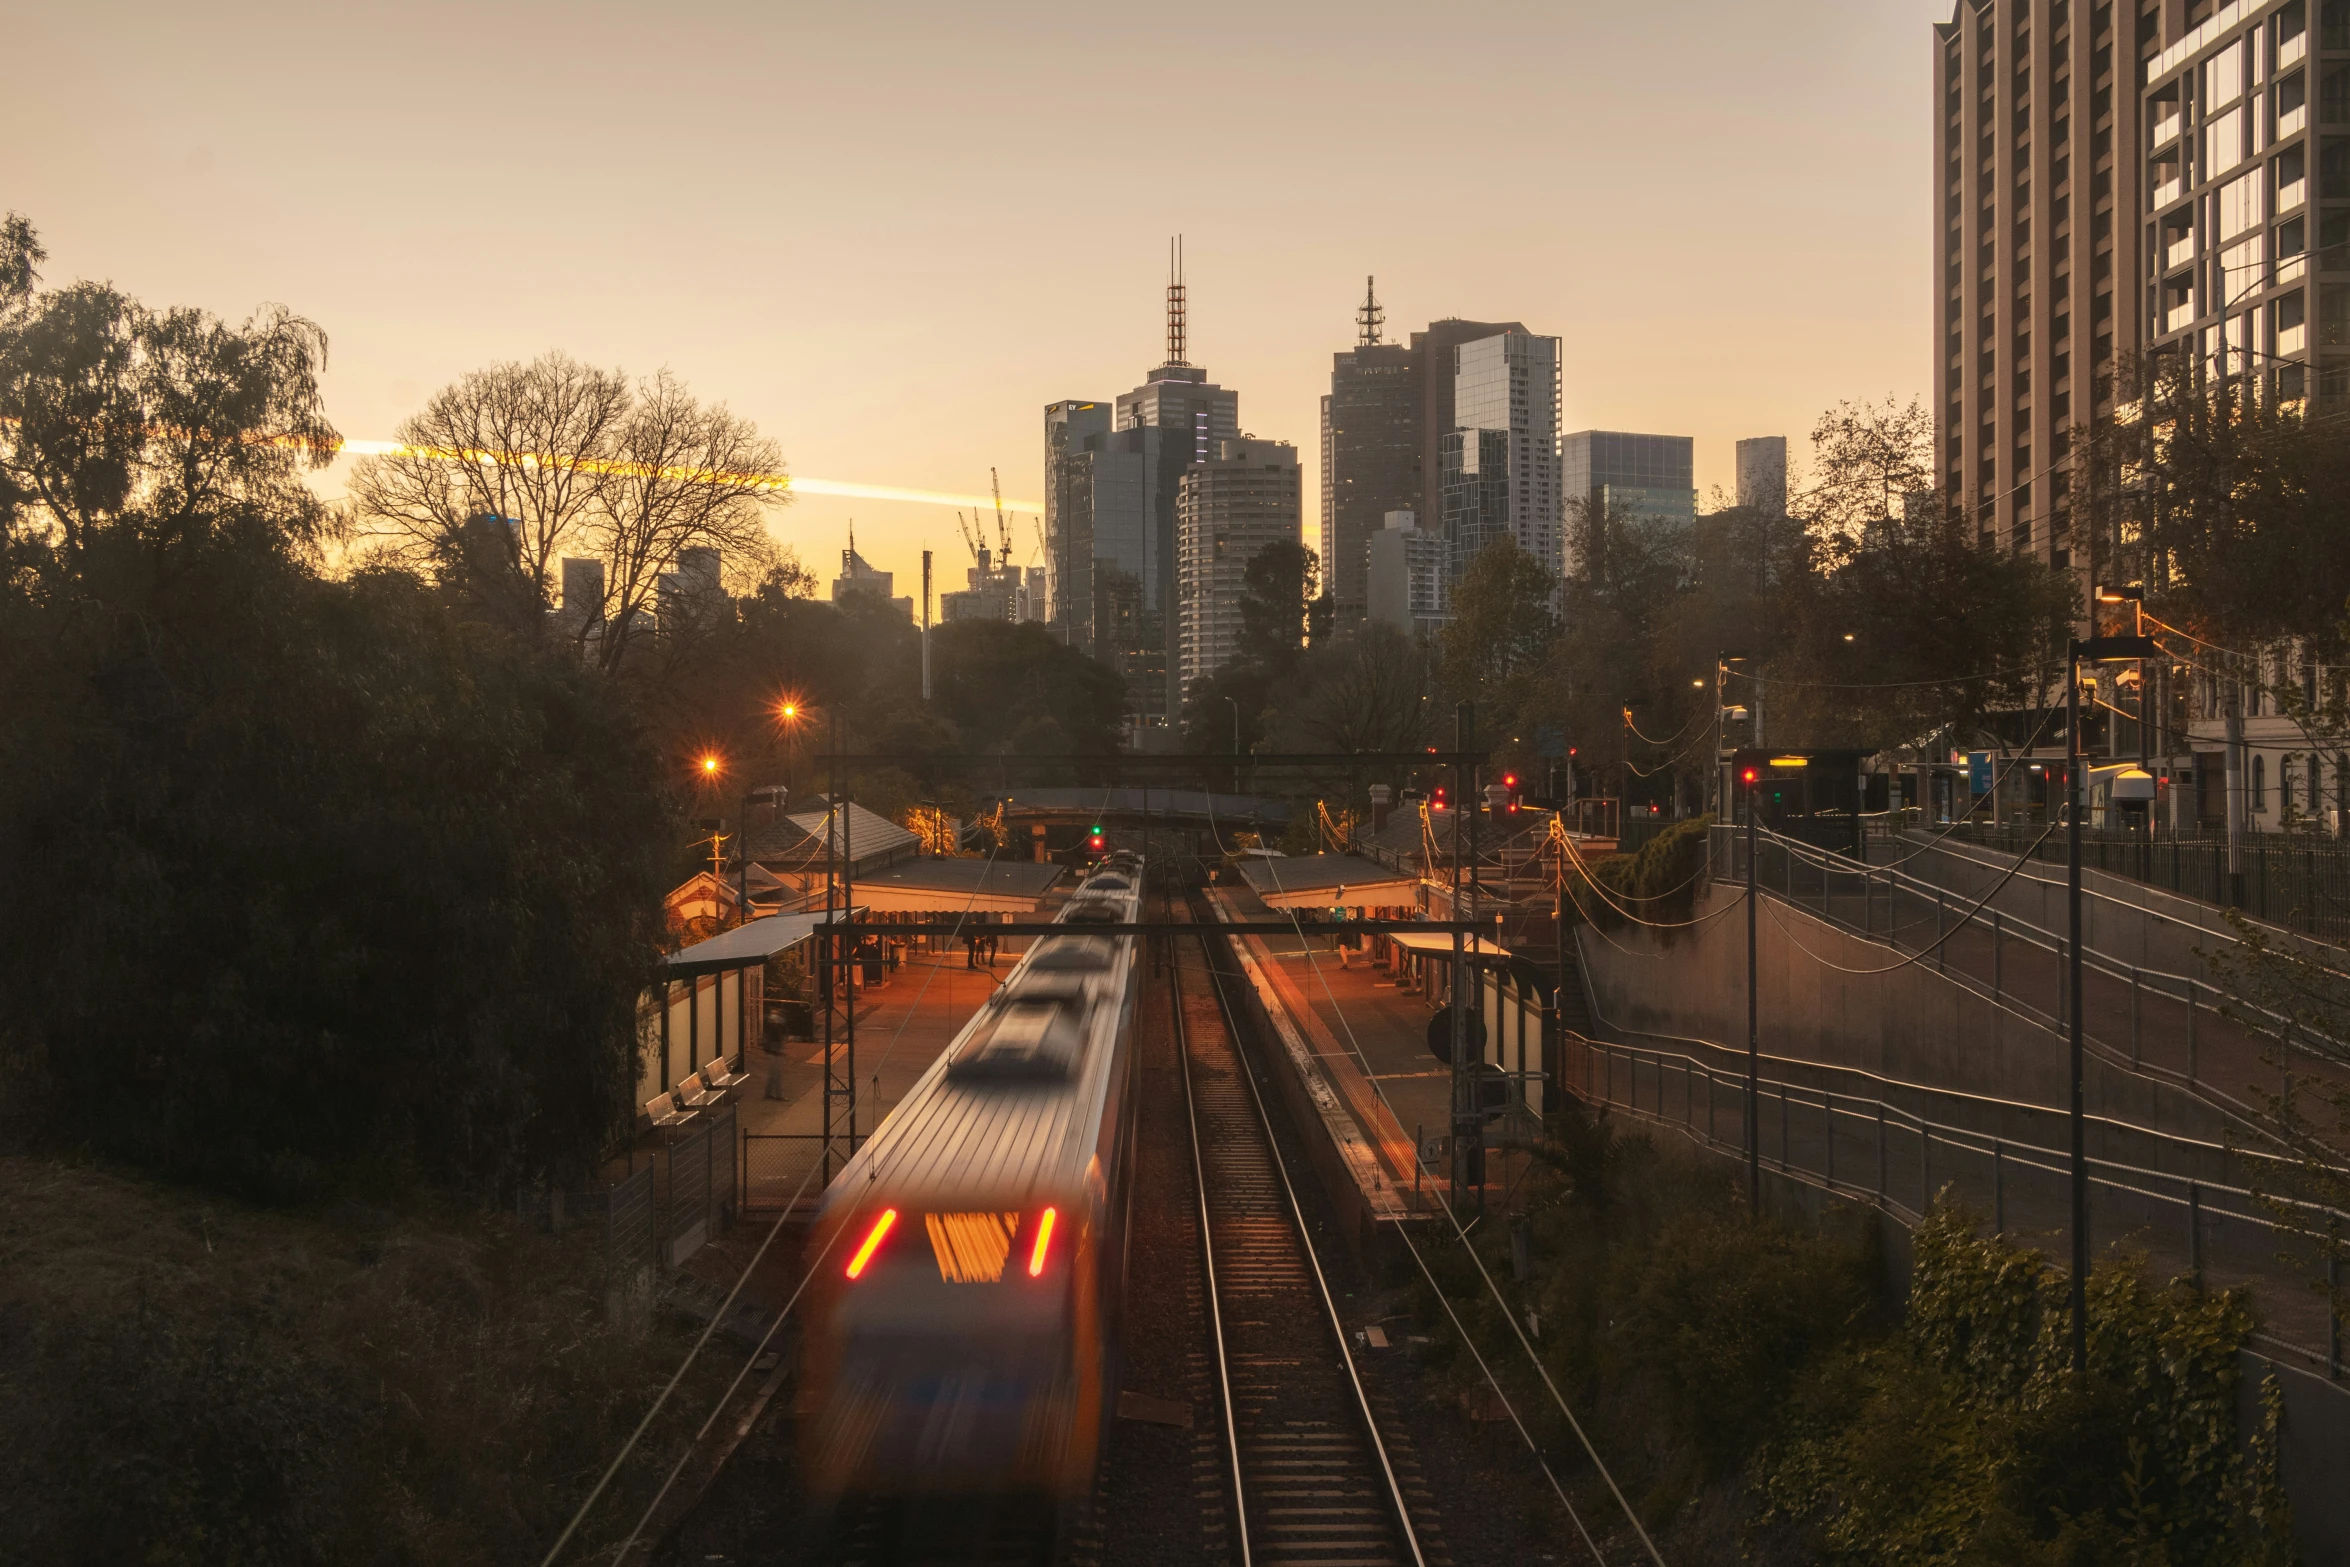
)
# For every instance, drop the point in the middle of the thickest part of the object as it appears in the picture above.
(312, 873)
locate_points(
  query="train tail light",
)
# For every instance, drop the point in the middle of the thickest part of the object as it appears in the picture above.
(1044, 1243)
(873, 1240)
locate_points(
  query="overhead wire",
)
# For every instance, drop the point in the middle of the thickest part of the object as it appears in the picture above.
(1420, 1162)
(1936, 944)
(727, 1305)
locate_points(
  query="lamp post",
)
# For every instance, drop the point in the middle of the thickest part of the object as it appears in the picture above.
(2096, 650)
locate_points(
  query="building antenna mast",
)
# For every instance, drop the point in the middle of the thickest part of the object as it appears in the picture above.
(1175, 303)
(1370, 318)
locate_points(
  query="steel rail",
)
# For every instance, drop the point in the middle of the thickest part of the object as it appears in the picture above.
(1362, 1401)
(1207, 1246)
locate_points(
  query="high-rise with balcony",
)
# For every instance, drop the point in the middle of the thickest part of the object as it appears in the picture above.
(2116, 179)
(1243, 497)
(1508, 384)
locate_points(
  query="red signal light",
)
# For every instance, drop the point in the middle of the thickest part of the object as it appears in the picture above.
(1509, 780)
(1044, 1243)
(1750, 775)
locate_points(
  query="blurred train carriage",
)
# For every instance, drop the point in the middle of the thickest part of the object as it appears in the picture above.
(963, 1334)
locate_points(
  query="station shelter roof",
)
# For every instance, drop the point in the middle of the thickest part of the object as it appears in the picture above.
(746, 946)
(949, 886)
(1306, 881)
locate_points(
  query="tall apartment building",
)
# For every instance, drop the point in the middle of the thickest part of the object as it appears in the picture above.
(1370, 453)
(1408, 576)
(1473, 473)
(1762, 474)
(1072, 428)
(1244, 496)
(1510, 383)
(2115, 178)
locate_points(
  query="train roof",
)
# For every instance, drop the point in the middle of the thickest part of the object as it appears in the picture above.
(956, 1137)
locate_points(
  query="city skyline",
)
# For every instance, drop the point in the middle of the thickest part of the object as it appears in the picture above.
(846, 278)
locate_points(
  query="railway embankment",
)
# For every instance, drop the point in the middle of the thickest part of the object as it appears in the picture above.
(185, 1378)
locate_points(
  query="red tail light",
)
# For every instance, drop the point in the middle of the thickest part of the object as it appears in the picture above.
(1044, 1243)
(873, 1239)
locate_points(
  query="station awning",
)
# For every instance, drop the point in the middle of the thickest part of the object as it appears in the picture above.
(745, 946)
(1316, 881)
(1441, 945)
(955, 886)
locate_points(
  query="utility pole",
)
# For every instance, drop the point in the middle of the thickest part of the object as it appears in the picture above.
(1463, 1117)
(2075, 798)
(926, 625)
(2232, 689)
(1753, 1009)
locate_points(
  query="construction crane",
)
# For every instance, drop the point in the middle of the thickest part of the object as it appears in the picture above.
(1003, 526)
(973, 537)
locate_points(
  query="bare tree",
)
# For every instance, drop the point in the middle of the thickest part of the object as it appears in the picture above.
(689, 477)
(533, 444)
(1868, 459)
(574, 460)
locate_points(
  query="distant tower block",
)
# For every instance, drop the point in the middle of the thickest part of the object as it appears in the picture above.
(1762, 474)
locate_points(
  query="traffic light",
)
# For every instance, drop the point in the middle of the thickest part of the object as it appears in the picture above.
(1094, 841)
(1749, 776)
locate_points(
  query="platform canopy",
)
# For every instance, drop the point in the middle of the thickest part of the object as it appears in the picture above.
(746, 946)
(944, 886)
(1321, 881)
(1439, 944)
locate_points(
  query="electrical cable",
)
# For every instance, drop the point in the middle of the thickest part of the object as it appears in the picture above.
(720, 1315)
(1419, 1162)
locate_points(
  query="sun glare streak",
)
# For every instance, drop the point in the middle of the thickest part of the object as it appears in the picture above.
(844, 488)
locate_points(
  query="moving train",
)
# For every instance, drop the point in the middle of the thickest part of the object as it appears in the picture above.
(962, 1332)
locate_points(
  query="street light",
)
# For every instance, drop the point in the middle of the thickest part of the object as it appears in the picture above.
(2096, 650)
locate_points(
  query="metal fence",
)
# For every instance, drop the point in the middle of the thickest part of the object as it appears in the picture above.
(1862, 1146)
(630, 1254)
(694, 1185)
(791, 1169)
(2301, 883)
(2020, 967)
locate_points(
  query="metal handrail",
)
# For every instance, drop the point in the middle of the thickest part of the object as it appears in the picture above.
(2282, 1030)
(1881, 1114)
(1967, 1096)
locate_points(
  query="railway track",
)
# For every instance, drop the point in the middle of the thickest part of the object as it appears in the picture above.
(1313, 1477)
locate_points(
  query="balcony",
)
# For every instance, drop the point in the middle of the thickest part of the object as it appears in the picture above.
(2291, 196)
(2292, 269)
(2178, 252)
(2291, 50)
(2292, 122)
(2179, 317)
(2166, 129)
(2169, 191)
(2292, 339)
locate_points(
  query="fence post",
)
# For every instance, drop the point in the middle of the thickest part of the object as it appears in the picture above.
(1998, 979)
(2334, 1304)
(1925, 1168)
(1828, 1103)
(2135, 1053)
(1881, 1197)
(1786, 1160)
(1998, 1187)
(2191, 1031)
(1940, 952)
(2195, 1236)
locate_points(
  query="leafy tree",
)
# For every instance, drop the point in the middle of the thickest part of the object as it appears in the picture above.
(1280, 586)
(330, 875)
(1503, 623)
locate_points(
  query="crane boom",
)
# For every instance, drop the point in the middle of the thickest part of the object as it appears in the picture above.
(1003, 528)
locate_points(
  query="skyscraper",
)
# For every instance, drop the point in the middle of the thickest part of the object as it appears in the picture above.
(1616, 471)
(1762, 474)
(1113, 470)
(1245, 496)
(1473, 472)
(1509, 384)
(1409, 576)
(1434, 351)
(1370, 452)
